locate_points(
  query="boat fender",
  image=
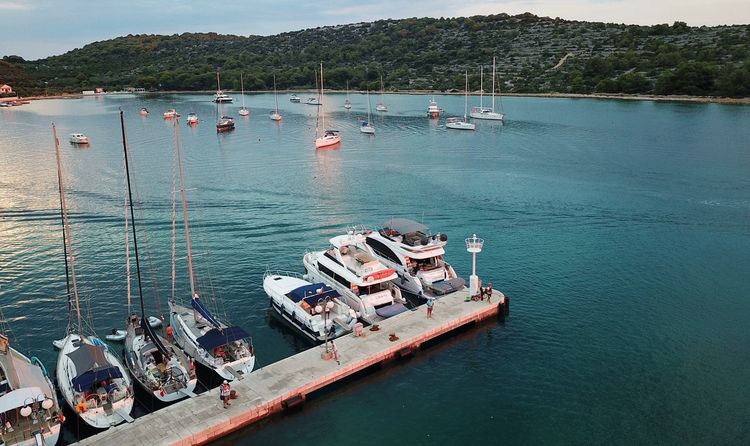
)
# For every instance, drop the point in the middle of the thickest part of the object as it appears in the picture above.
(443, 237)
(370, 279)
(61, 418)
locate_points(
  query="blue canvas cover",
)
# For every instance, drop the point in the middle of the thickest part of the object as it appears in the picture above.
(200, 308)
(390, 310)
(310, 293)
(215, 337)
(86, 380)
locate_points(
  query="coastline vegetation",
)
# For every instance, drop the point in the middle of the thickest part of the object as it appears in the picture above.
(534, 55)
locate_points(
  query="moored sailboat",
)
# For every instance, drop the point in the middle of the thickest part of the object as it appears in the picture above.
(243, 110)
(366, 126)
(482, 112)
(92, 381)
(161, 370)
(380, 106)
(329, 137)
(220, 348)
(29, 410)
(275, 115)
(457, 123)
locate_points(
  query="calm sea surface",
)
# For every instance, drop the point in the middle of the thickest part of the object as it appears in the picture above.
(621, 231)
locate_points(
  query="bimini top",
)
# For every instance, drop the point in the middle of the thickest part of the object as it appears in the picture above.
(309, 293)
(215, 337)
(19, 398)
(405, 226)
(92, 366)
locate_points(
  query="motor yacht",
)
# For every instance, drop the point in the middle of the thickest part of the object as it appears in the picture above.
(315, 310)
(79, 138)
(416, 255)
(351, 268)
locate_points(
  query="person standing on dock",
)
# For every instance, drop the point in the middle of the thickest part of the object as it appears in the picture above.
(225, 393)
(488, 291)
(430, 304)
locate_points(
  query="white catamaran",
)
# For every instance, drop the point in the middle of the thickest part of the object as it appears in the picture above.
(223, 349)
(482, 112)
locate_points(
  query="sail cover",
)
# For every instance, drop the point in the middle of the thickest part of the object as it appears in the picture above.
(92, 366)
(215, 338)
(200, 308)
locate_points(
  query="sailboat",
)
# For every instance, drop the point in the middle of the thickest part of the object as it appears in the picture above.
(330, 137)
(347, 103)
(312, 100)
(482, 112)
(457, 123)
(92, 381)
(28, 403)
(160, 369)
(214, 345)
(243, 111)
(366, 126)
(380, 106)
(275, 115)
(220, 97)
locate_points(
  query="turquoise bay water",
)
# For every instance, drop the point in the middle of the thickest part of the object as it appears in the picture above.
(621, 231)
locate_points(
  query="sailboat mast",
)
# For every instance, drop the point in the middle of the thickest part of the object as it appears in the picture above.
(65, 244)
(323, 120)
(127, 243)
(466, 95)
(184, 209)
(218, 82)
(132, 215)
(66, 231)
(242, 86)
(275, 98)
(481, 86)
(493, 84)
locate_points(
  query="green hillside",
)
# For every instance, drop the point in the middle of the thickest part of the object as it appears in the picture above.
(420, 54)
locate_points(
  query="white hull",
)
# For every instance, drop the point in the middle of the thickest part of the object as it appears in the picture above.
(368, 129)
(327, 141)
(98, 414)
(488, 115)
(275, 116)
(186, 334)
(302, 315)
(179, 383)
(460, 125)
(79, 139)
(244, 112)
(32, 385)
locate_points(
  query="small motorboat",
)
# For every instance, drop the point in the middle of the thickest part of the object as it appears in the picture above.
(313, 101)
(79, 138)
(225, 124)
(294, 98)
(144, 111)
(171, 113)
(116, 335)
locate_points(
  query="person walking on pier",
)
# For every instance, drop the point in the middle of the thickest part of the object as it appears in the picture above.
(225, 393)
(430, 303)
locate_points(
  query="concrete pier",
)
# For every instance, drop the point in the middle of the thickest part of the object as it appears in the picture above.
(286, 383)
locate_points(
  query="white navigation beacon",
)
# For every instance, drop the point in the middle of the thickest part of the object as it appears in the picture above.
(474, 246)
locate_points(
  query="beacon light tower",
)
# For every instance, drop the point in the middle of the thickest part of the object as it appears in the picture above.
(474, 246)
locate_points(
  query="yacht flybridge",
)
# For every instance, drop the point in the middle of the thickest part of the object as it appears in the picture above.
(352, 269)
(314, 309)
(417, 256)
